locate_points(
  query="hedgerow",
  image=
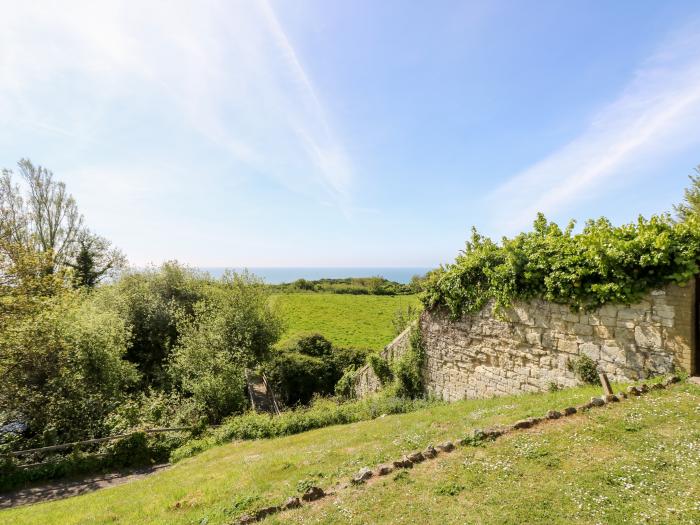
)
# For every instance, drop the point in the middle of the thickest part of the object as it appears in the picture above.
(601, 264)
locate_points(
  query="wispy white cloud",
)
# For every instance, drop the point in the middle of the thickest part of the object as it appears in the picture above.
(658, 112)
(226, 67)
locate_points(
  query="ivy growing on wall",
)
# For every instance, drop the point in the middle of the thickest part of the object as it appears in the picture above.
(408, 369)
(404, 377)
(601, 264)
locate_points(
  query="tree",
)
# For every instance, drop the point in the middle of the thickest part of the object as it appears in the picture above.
(46, 219)
(153, 302)
(95, 259)
(690, 207)
(41, 216)
(62, 368)
(232, 328)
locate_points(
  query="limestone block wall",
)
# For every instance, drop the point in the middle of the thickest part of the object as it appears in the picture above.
(481, 355)
(366, 381)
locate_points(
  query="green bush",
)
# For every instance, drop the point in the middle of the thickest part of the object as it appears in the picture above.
(345, 387)
(152, 302)
(231, 329)
(309, 367)
(155, 409)
(601, 264)
(296, 377)
(63, 369)
(137, 450)
(585, 369)
(381, 369)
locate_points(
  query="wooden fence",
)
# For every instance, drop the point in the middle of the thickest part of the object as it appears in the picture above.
(64, 446)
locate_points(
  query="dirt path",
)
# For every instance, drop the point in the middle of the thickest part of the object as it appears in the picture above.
(67, 488)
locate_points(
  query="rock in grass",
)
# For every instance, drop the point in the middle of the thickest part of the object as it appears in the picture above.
(610, 398)
(569, 411)
(644, 388)
(267, 511)
(383, 470)
(492, 433)
(404, 462)
(526, 423)
(430, 452)
(633, 390)
(657, 386)
(553, 414)
(363, 475)
(621, 396)
(585, 406)
(312, 494)
(247, 518)
(671, 380)
(447, 446)
(291, 503)
(416, 457)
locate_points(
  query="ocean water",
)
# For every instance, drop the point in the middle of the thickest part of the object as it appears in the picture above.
(288, 275)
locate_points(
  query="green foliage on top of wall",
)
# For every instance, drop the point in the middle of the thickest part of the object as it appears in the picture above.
(601, 264)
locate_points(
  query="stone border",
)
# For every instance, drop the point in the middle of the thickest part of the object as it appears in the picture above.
(431, 452)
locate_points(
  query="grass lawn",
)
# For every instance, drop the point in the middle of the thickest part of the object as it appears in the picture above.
(631, 462)
(358, 321)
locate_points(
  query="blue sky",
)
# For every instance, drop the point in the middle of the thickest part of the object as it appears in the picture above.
(363, 133)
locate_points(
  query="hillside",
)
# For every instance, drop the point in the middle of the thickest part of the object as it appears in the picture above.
(357, 321)
(628, 462)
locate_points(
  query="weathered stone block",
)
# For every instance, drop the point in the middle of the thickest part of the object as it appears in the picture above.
(648, 337)
(591, 350)
(567, 345)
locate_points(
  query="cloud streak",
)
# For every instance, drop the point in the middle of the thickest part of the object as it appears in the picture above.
(227, 68)
(658, 112)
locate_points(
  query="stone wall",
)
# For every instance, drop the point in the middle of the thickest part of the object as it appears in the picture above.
(481, 355)
(366, 381)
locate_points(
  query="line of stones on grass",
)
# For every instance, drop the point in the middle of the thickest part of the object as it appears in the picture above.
(478, 436)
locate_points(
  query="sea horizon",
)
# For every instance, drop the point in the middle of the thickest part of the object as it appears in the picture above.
(288, 274)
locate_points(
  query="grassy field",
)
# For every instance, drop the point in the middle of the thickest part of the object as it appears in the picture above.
(631, 462)
(359, 321)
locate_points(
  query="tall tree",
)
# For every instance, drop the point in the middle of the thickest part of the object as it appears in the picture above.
(42, 217)
(690, 207)
(95, 258)
(46, 219)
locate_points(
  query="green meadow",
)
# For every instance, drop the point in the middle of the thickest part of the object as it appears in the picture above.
(357, 321)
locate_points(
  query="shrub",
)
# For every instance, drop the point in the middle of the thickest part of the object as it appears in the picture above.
(296, 377)
(231, 329)
(381, 369)
(314, 345)
(310, 366)
(63, 369)
(345, 387)
(154, 409)
(585, 369)
(136, 450)
(153, 303)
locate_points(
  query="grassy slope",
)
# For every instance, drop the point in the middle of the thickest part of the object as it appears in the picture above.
(359, 321)
(617, 464)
